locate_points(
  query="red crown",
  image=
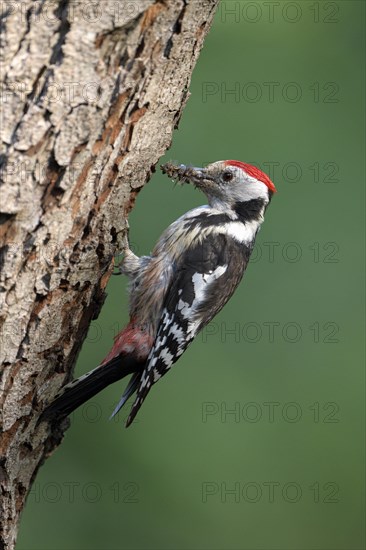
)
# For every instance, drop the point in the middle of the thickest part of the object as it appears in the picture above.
(254, 172)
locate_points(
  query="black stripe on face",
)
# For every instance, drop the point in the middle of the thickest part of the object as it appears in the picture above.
(248, 211)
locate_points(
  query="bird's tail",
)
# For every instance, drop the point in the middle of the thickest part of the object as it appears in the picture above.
(87, 386)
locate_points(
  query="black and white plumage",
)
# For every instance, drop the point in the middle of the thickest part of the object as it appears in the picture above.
(192, 272)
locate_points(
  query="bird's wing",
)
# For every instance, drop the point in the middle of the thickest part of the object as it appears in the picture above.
(205, 278)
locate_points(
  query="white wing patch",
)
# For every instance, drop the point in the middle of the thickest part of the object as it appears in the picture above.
(201, 280)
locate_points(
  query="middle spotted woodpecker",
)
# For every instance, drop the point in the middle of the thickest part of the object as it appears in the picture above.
(192, 272)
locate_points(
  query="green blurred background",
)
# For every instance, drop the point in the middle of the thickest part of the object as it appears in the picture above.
(285, 468)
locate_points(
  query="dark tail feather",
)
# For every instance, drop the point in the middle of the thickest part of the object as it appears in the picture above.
(131, 388)
(80, 390)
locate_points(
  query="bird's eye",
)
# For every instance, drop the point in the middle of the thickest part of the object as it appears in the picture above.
(227, 176)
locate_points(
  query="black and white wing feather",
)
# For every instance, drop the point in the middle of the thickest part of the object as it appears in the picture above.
(204, 280)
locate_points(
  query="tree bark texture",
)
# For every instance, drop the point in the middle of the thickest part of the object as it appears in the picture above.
(90, 95)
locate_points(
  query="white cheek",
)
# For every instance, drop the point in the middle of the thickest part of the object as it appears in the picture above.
(256, 190)
(251, 188)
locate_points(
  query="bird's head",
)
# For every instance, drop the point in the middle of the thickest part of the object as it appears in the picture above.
(226, 182)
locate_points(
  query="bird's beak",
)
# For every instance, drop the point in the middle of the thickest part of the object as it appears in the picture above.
(185, 174)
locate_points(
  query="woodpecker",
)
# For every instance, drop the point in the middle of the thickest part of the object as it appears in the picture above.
(191, 273)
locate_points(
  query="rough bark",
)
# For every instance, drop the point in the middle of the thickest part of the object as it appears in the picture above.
(91, 93)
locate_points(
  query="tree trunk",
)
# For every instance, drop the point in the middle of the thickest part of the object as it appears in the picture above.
(91, 93)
